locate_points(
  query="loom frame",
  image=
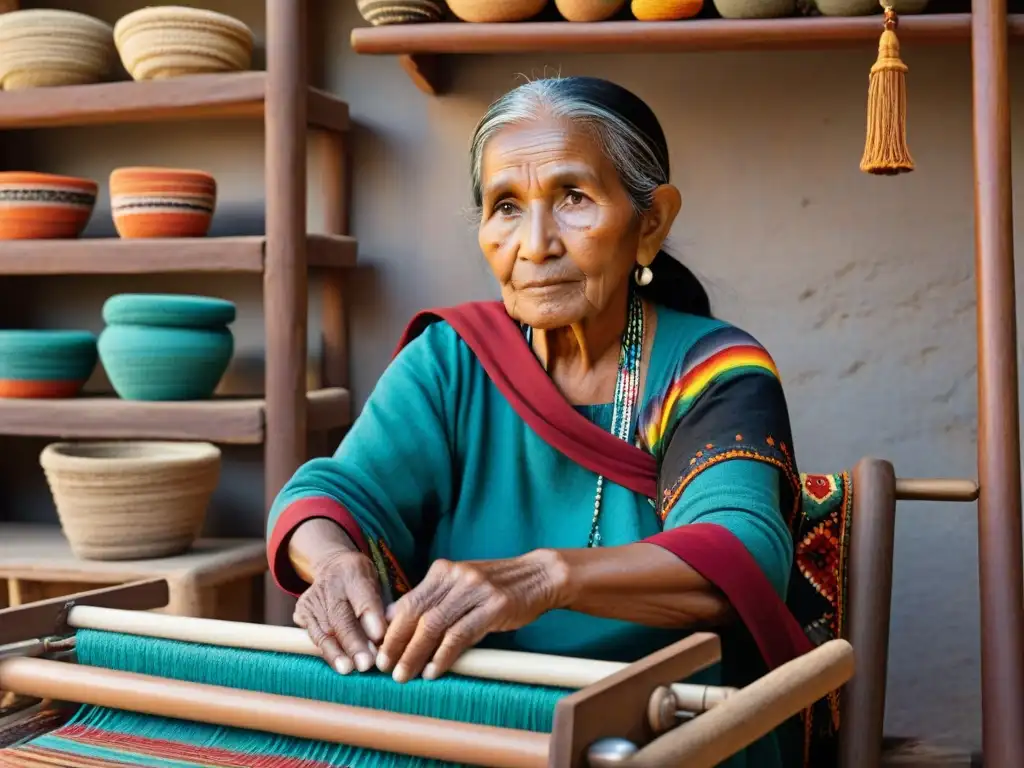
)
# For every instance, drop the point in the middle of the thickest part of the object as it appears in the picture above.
(582, 720)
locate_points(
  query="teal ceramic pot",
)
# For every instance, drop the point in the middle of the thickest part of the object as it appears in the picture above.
(40, 363)
(166, 347)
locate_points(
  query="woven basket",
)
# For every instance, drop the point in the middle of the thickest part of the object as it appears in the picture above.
(131, 500)
(47, 47)
(381, 12)
(171, 41)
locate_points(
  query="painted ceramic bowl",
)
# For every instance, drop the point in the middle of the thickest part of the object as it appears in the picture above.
(172, 40)
(46, 47)
(45, 364)
(666, 10)
(162, 202)
(42, 205)
(491, 11)
(159, 347)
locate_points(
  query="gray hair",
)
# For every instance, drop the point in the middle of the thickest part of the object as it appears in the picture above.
(641, 164)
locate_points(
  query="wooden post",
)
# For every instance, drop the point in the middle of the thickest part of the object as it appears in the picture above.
(284, 279)
(999, 475)
(335, 166)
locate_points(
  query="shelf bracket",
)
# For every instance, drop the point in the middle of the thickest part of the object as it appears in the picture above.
(425, 71)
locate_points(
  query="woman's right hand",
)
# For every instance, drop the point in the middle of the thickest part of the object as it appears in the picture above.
(343, 612)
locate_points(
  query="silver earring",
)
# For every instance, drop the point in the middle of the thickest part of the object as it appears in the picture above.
(643, 275)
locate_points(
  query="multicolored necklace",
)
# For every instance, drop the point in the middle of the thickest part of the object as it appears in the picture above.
(627, 390)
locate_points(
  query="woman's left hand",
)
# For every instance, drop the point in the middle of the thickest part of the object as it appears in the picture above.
(458, 604)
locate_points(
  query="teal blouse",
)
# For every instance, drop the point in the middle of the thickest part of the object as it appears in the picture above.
(438, 465)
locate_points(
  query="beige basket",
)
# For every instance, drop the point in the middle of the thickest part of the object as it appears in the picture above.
(48, 47)
(131, 500)
(170, 41)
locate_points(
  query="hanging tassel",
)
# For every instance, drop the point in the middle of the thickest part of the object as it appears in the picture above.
(885, 148)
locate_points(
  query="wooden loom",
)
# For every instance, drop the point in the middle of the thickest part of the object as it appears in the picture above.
(630, 715)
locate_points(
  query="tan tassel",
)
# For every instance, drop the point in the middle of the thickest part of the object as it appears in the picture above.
(885, 148)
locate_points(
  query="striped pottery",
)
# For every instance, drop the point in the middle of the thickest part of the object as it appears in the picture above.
(381, 12)
(162, 202)
(47, 47)
(170, 40)
(43, 205)
(45, 364)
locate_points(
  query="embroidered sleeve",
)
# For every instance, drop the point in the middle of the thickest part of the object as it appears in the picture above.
(725, 401)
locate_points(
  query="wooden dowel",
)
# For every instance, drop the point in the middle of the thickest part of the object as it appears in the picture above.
(936, 489)
(285, 715)
(507, 666)
(751, 712)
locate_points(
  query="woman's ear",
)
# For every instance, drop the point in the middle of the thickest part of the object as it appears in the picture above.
(656, 223)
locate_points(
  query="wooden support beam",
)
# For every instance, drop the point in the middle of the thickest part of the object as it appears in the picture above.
(285, 284)
(999, 503)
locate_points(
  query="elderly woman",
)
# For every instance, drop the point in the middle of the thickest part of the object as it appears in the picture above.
(592, 467)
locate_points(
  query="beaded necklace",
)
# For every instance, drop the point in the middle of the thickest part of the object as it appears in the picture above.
(627, 389)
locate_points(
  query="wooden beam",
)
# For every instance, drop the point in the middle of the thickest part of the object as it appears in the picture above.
(224, 421)
(114, 256)
(658, 36)
(285, 287)
(1001, 572)
(190, 97)
(48, 617)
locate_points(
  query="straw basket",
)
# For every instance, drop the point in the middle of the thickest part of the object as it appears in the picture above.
(170, 41)
(46, 47)
(131, 500)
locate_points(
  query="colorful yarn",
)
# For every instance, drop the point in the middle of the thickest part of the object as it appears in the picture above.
(124, 738)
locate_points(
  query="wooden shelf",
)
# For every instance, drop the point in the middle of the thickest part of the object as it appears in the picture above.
(418, 43)
(228, 421)
(114, 256)
(192, 97)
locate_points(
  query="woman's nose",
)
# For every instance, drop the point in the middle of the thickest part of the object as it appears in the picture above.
(539, 238)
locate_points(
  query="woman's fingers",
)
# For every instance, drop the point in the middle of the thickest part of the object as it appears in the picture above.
(343, 624)
(460, 637)
(426, 637)
(327, 643)
(401, 628)
(364, 596)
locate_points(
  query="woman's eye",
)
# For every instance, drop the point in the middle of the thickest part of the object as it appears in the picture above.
(575, 197)
(505, 208)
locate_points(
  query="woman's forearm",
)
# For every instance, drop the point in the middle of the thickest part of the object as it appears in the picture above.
(641, 583)
(315, 541)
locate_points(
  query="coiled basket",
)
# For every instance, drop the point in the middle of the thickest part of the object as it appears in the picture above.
(131, 500)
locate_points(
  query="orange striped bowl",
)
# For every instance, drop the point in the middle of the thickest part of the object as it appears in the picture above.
(162, 202)
(42, 205)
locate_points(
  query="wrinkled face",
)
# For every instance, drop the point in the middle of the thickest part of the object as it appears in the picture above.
(557, 226)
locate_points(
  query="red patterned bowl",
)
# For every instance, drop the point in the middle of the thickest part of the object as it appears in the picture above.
(42, 205)
(162, 202)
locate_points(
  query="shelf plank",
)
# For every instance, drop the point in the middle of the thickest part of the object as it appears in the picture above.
(114, 256)
(226, 421)
(190, 97)
(657, 36)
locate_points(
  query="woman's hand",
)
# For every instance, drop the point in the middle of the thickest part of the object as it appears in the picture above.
(342, 611)
(458, 604)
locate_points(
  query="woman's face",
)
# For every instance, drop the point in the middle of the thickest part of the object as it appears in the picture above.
(557, 227)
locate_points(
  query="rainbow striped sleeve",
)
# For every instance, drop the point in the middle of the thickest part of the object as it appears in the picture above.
(718, 357)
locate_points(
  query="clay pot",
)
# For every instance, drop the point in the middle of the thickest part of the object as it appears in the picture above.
(44, 47)
(43, 205)
(588, 10)
(162, 202)
(755, 9)
(494, 11)
(666, 10)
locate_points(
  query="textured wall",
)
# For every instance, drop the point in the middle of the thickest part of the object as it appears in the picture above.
(861, 287)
